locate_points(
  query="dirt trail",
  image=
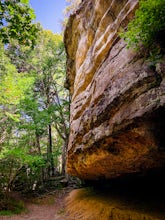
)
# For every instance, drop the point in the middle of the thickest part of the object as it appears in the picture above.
(46, 207)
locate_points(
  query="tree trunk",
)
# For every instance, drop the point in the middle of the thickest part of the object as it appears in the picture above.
(39, 152)
(38, 143)
(50, 152)
(64, 152)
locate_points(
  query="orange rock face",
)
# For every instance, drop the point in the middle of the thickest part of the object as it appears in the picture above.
(118, 98)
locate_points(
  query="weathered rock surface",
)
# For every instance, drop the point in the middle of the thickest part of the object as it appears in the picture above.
(85, 204)
(118, 98)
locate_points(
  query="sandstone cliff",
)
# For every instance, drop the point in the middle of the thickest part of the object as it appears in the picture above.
(118, 97)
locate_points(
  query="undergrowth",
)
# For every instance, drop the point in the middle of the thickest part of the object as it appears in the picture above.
(10, 206)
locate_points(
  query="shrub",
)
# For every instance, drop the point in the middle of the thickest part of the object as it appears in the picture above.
(10, 206)
(148, 26)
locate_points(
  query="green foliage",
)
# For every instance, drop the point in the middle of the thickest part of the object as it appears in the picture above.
(21, 156)
(50, 88)
(16, 22)
(13, 85)
(148, 25)
(38, 118)
(13, 88)
(6, 212)
(10, 206)
(34, 111)
(12, 160)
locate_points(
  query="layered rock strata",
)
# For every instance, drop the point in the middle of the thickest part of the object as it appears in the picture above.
(118, 97)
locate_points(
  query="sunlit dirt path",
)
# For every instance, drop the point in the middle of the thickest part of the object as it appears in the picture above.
(47, 207)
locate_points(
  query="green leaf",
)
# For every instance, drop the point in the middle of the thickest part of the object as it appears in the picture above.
(14, 117)
(24, 1)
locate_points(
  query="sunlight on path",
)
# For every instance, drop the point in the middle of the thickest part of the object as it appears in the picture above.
(47, 208)
(37, 212)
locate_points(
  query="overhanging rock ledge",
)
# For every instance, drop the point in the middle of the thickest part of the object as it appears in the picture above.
(118, 99)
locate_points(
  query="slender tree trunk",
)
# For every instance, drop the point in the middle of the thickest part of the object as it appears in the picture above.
(64, 153)
(63, 159)
(38, 143)
(39, 152)
(50, 152)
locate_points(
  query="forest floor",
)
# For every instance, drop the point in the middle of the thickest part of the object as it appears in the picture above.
(49, 206)
(89, 203)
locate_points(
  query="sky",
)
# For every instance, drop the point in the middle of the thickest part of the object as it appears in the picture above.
(49, 13)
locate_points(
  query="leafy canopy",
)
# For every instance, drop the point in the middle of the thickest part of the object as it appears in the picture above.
(16, 22)
(148, 25)
(13, 85)
(34, 111)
